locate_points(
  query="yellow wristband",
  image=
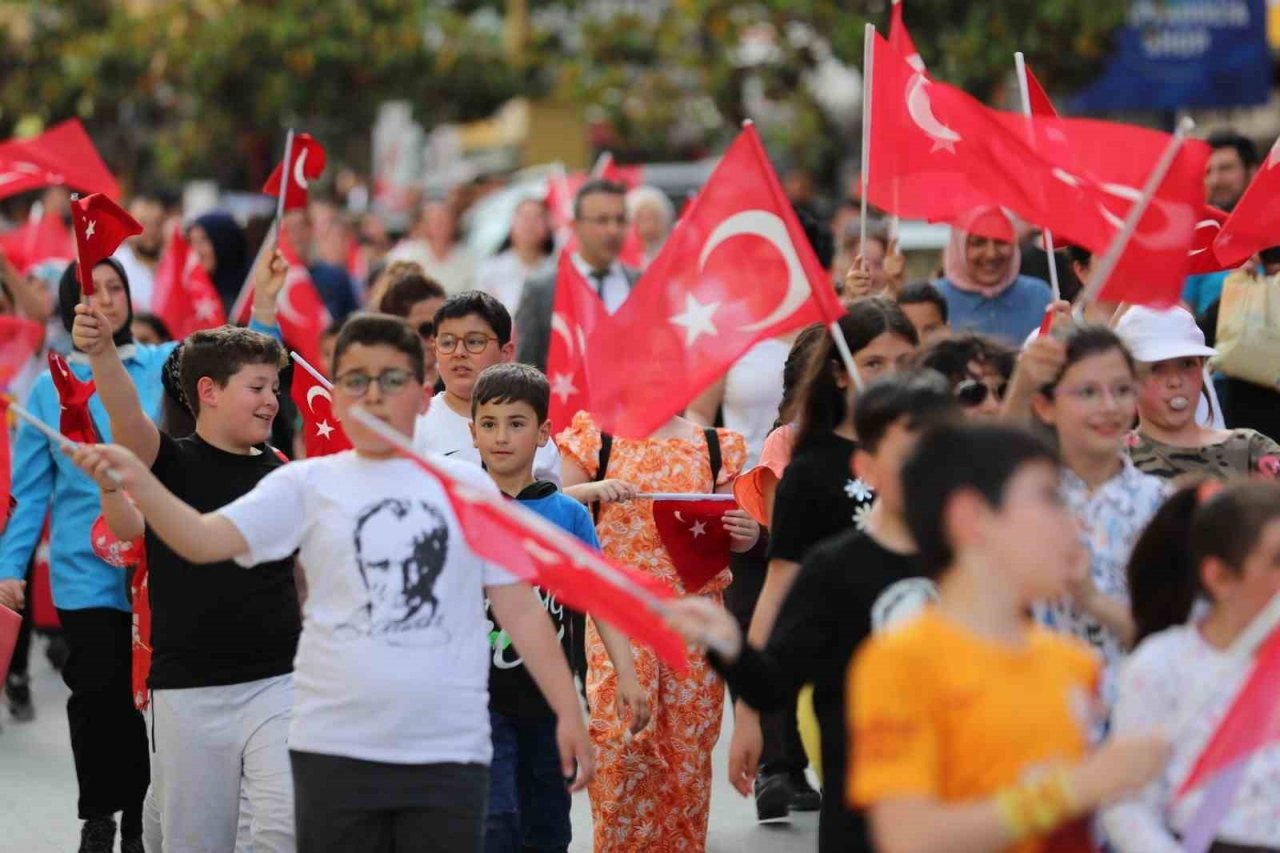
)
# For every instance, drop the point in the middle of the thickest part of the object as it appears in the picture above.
(1037, 806)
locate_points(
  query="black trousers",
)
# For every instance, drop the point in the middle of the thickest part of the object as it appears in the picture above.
(108, 735)
(21, 662)
(783, 751)
(346, 805)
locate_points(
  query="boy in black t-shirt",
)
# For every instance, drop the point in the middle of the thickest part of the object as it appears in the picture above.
(848, 586)
(223, 639)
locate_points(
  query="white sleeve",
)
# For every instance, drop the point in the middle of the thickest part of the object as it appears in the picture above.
(1146, 697)
(546, 463)
(270, 518)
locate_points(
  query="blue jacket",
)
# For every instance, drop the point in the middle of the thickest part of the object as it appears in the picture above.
(1011, 316)
(43, 477)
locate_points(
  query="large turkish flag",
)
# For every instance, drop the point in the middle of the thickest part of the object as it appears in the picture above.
(576, 313)
(737, 269)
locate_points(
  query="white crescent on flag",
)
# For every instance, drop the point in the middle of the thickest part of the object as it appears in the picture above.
(920, 108)
(770, 228)
(317, 391)
(299, 173)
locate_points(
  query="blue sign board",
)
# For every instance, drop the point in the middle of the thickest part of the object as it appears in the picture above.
(1185, 53)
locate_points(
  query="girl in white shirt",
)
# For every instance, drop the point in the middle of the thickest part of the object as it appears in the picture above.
(1225, 550)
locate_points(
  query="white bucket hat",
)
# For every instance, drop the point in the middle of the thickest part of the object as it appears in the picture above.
(1157, 335)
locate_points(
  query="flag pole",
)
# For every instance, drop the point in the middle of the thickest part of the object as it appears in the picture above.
(868, 61)
(1024, 89)
(1107, 265)
(842, 346)
(50, 433)
(315, 374)
(247, 288)
(285, 177)
(683, 496)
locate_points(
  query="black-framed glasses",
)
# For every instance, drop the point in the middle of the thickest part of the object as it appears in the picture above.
(356, 383)
(474, 343)
(426, 330)
(971, 393)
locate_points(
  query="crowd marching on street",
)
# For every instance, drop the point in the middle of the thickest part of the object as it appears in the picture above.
(348, 540)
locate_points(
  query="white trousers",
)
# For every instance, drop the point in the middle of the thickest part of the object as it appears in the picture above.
(211, 748)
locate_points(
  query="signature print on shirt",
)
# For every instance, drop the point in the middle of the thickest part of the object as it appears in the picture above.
(401, 546)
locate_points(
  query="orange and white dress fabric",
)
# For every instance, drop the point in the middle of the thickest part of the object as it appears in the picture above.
(652, 792)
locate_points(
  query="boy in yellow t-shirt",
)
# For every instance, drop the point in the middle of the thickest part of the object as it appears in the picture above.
(969, 726)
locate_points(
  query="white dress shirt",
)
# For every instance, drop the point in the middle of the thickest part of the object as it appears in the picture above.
(615, 288)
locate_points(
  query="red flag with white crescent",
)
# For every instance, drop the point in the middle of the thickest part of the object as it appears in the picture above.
(299, 309)
(737, 270)
(695, 537)
(75, 421)
(321, 431)
(306, 164)
(900, 39)
(574, 316)
(63, 155)
(40, 238)
(184, 295)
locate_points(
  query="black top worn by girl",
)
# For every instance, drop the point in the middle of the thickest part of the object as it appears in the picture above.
(818, 497)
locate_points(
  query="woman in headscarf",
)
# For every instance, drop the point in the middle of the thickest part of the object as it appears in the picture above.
(108, 735)
(220, 246)
(981, 283)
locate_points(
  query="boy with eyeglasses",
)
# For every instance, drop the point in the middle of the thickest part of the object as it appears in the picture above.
(389, 738)
(473, 331)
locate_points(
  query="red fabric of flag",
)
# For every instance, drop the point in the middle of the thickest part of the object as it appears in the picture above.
(1252, 722)
(6, 474)
(694, 535)
(736, 271)
(535, 550)
(40, 238)
(61, 156)
(19, 340)
(1204, 257)
(900, 39)
(1041, 105)
(321, 431)
(1254, 223)
(76, 423)
(576, 313)
(306, 163)
(299, 308)
(100, 226)
(184, 295)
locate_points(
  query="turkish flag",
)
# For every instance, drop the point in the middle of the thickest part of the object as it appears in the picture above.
(321, 431)
(535, 550)
(76, 422)
(61, 156)
(184, 297)
(1252, 722)
(39, 239)
(20, 338)
(1041, 105)
(299, 308)
(1204, 257)
(574, 316)
(562, 190)
(1254, 224)
(306, 163)
(736, 271)
(695, 538)
(900, 39)
(100, 226)
(1098, 171)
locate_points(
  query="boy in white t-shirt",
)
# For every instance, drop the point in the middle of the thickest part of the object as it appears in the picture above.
(472, 332)
(390, 739)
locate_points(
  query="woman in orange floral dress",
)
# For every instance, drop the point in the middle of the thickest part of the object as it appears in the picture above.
(652, 792)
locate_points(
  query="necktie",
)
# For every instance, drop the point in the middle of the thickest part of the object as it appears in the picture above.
(598, 276)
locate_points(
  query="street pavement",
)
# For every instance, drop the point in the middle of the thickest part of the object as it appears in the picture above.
(38, 788)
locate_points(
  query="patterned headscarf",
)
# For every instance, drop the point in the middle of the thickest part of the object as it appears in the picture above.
(171, 377)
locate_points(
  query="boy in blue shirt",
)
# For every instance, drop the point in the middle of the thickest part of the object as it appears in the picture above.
(528, 800)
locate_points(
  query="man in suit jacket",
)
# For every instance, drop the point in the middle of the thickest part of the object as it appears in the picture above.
(600, 223)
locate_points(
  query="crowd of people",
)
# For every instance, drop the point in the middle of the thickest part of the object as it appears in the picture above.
(985, 583)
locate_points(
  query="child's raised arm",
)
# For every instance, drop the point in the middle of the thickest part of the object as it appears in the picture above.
(207, 538)
(91, 334)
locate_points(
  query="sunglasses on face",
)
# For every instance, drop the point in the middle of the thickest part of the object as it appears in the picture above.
(971, 393)
(426, 330)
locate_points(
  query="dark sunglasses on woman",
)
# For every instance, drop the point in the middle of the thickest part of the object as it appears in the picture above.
(971, 393)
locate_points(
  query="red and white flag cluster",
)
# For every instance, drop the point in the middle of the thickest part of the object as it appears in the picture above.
(184, 295)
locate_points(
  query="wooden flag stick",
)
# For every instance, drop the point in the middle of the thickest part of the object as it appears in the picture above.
(1102, 272)
(315, 374)
(683, 496)
(1024, 89)
(52, 434)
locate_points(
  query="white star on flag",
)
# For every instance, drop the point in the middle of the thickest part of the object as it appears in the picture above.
(699, 529)
(696, 319)
(562, 386)
(323, 429)
(206, 309)
(89, 228)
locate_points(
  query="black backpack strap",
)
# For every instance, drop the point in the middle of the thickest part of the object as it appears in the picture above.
(606, 448)
(713, 451)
